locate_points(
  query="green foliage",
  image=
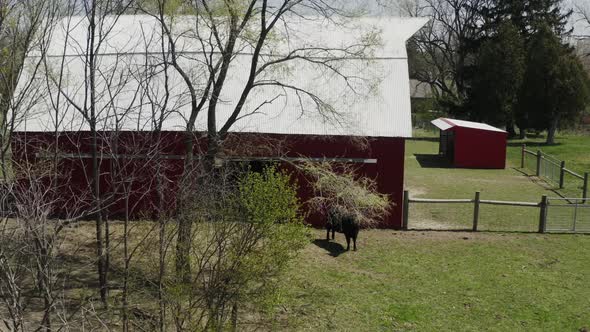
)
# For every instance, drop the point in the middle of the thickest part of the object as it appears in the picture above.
(556, 87)
(529, 16)
(247, 229)
(270, 204)
(269, 198)
(500, 71)
(495, 59)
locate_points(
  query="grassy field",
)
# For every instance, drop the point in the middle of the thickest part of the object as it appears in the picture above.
(450, 281)
(574, 149)
(442, 281)
(437, 182)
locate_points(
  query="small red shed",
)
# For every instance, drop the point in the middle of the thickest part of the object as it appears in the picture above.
(471, 144)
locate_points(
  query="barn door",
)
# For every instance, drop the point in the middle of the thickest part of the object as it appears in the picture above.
(451, 146)
(447, 144)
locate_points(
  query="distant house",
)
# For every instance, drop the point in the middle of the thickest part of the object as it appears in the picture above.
(424, 108)
(420, 90)
(383, 118)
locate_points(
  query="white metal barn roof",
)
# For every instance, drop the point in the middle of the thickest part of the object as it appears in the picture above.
(445, 124)
(379, 108)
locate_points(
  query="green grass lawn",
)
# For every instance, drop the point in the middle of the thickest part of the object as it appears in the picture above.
(508, 184)
(573, 149)
(441, 281)
(449, 281)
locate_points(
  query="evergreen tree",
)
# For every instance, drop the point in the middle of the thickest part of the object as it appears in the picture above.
(555, 87)
(528, 16)
(500, 70)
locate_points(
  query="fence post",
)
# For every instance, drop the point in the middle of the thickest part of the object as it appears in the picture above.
(476, 211)
(539, 157)
(543, 215)
(562, 175)
(406, 210)
(523, 155)
(585, 188)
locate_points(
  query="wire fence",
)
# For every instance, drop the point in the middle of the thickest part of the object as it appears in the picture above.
(508, 218)
(568, 215)
(555, 172)
(550, 168)
(529, 162)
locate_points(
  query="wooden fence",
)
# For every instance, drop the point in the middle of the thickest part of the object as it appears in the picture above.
(476, 201)
(553, 169)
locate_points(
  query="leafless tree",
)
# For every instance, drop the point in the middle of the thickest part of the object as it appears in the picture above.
(257, 35)
(94, 99)
(582, 18)
(25, 31)
(441, 44)
(191, 56)
(28, 260)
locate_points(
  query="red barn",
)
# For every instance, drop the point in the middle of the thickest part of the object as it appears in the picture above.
(471, 144)
(377, 111)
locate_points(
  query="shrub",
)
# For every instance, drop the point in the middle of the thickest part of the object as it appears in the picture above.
(245, 234)
(343, 190)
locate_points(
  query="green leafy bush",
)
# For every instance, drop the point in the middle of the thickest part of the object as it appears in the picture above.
(247, 228)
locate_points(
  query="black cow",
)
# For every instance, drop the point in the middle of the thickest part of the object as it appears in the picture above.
(345, 223)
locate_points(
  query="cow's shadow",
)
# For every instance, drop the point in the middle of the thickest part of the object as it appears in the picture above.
(334, 249)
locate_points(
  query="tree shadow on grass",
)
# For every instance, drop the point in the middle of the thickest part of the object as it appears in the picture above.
(433, 161)
(533, 144)
(334, 249)
(425, 139)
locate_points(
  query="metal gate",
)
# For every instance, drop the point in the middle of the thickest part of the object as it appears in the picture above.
(568, 215)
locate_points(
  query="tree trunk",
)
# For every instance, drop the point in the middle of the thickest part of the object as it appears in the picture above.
(552, 130)
(234, 317)
(161, 251)
(101, 261)
(510, 128)
(126, 258)
(100, 252)
(184, 241)
(522, 133)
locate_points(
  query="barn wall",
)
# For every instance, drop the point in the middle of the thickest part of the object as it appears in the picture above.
(479, 148)
(137, 175)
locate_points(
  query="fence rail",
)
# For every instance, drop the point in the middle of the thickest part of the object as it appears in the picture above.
(563, 215)
(477, 202)
(552, 169)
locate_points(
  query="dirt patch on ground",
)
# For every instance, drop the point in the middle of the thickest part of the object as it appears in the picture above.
(384, 236)
(505, 179)
(416, 191)
(429, 224)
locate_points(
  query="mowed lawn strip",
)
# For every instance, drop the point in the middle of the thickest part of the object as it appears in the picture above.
(573, 149)
(444, 281)
(439, 182)
(447, 281)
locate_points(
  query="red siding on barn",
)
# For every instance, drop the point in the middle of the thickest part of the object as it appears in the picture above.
(476, 148)
(388, 171)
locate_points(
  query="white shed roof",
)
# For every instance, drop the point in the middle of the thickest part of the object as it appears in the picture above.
(379, 108)
(445, 124)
